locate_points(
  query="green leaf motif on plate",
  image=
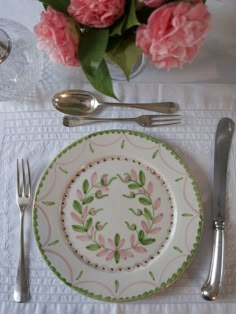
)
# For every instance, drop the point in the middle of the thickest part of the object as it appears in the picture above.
(88, 223)
(85, 186)
(177, 249)
(187, 215)
(78, 228)
(77, 206)
(147, 241)
(134, 186)
(178, 179)
(117, 239)
(63, 170)
(142, 178)
(79, 276)
(145, 201)
(122, 144)
(93, 247)
(116, 285)
(155, 154)
(48, 203)
(152, 275)
(53, 243)
(91, 148)
(117, 257)
(88, 200)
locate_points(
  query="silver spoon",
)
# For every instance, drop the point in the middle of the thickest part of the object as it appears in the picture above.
(78, 102)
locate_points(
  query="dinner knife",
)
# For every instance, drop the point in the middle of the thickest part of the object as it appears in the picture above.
(224, 133)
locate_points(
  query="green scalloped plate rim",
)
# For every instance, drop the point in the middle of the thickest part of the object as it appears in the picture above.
(174, 276)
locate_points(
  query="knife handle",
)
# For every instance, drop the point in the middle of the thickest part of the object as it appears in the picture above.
(212, 287)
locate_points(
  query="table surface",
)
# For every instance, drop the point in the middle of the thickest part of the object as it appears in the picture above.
(31, 128)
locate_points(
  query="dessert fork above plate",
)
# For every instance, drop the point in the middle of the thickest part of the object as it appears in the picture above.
(144, 120)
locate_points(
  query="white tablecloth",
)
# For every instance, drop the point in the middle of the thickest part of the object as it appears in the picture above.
(31, 128)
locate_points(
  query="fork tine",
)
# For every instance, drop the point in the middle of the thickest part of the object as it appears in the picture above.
(29, 179)
(23, 173)
(169, 122)
(18, 178)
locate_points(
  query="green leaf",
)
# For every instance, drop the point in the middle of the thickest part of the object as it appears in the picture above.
(48, 203)
(122, 144)
(53, 243)
(141, 235)
(88, 200)
(77, 206)
(101, 80)
(92, 48)
(78, 228)
(128, 20)
(57, 5)
(145, 201)
(155, 154)
(147, 241)
(93, 247)
(116, 286)
(91, 148)
(126, 54)
(177, 249)
(88, 223)
(63, 170)
(178, 179)
(147, 214)
(117, 257)
(79, 276)
(134, 186)
(187, 215)
(152, 275)
(142, 178)
(117, 239)
(85, 186)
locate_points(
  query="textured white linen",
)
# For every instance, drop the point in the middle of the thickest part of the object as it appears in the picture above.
(31, 128)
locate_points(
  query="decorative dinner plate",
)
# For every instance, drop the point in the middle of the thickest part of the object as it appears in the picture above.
(117, 215)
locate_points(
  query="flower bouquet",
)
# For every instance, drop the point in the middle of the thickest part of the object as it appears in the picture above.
(89, 33)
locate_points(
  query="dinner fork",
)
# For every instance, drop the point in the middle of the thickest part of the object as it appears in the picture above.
(23, 199)
(144, 120)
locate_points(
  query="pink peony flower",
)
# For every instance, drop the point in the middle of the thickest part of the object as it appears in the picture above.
(100, 14)
(58, 36)
(153, 3)
(174, 33)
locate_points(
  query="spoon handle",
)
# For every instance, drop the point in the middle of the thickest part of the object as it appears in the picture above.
(162, 107)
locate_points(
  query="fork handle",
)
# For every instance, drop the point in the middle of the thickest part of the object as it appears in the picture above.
(71, 121)
(21, 291)
(161, 107)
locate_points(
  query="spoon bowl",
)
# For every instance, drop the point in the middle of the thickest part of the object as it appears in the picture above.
(79, 102)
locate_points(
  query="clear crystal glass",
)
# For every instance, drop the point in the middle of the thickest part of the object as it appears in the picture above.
(20, 61)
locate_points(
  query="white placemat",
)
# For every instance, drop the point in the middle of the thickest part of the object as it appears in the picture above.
(35, 131)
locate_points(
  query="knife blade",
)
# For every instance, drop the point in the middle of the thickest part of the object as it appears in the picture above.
(224, 133)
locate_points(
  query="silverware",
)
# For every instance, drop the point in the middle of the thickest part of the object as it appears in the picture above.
(23, 199)
(78, 102)
(212, 287)
(145, 120)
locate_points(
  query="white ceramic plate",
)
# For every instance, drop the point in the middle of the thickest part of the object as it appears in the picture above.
(117, 215)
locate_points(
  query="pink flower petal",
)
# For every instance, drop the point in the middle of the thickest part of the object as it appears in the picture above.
(83, 237)
(76, 218)
(139, 249)
(124, 254)
(145, 226)
(157, 203)
(155, 230)
(110, 256)
(132, 240)
(133, 175)
(103, 252)
(79, 194)
(93, 178)
(85, 211)
(150, 188)
(121, 244)
(158, 218)
(112, 244)
(101, 240)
